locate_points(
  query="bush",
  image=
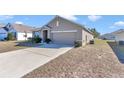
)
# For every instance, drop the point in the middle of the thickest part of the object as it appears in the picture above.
(48, 40)
(10, 36)
(77, 43)
(37, 39)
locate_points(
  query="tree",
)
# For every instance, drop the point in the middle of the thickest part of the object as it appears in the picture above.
(95, 33)
(10, 36)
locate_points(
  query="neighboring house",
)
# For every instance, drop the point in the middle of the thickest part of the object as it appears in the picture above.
(63, 31)
(20, 31)
(3, 33)
(108, 36)
(116, 35)
(119, 35)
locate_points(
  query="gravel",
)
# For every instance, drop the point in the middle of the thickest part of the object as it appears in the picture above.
(91, 61)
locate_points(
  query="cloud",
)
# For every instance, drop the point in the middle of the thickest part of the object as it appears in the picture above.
(119, 23)
(70, 17)
(5, 17)
(94, 18)
(18, 22)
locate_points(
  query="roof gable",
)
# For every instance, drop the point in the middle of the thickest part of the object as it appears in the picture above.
(2, 30)
(82, 26)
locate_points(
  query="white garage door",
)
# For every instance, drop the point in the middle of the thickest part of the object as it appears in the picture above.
(64, 37)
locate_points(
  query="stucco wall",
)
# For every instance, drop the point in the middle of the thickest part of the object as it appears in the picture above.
(86, 37)
(64, 25)
(119, 37)
(3, 34)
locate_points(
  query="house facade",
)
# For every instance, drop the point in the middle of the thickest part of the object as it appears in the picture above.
(116, 35)
(20, 32)
(63, 31)
(3, 33)
(119, 36)
(108, 36)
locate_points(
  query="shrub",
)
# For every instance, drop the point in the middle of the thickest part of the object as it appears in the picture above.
(77, 43)
(10, 36)
(37, 39)
(48, 40)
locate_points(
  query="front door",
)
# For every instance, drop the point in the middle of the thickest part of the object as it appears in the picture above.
(45, 35)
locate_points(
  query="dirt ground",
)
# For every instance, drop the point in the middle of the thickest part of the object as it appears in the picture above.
(91, 61)
(6, 46)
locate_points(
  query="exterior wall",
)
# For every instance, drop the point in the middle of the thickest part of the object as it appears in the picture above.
(20, 36)
(119, 37)
(86, 37)
(59, 24)
(3, 34)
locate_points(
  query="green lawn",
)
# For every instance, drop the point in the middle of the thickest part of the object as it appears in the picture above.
(99, 41)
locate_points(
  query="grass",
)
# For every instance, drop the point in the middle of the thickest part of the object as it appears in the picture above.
(99, 41)
(6, 46)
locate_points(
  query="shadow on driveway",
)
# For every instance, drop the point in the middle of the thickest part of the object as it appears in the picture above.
(118, 50)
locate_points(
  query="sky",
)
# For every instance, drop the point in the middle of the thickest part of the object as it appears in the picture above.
(103, 24)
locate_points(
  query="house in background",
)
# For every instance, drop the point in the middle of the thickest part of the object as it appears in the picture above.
(116, 35)
(20, 31)
(119, 35)
(3, 33)
(63, 31)
(108, 36)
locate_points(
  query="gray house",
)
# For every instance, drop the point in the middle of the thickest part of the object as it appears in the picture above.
(63, 31)
(116, 35)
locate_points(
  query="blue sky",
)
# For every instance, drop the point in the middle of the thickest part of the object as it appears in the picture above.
(103, 24)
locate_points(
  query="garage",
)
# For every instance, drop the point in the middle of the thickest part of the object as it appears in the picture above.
(64, 37)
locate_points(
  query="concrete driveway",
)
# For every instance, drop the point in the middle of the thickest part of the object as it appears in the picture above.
(20, 62)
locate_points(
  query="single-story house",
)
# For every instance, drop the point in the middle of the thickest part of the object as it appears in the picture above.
(119, 36)
(3, 33)
(20, 31)
(64, 31)
(116, 35)
(108, 36)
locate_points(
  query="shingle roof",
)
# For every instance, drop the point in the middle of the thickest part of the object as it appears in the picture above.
(22, 28)
(118, 31)
(82, 26)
